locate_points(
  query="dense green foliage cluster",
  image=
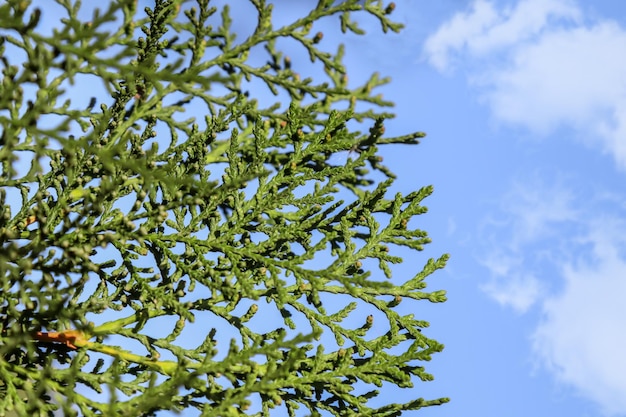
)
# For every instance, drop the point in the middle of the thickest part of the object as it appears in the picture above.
(124, 223)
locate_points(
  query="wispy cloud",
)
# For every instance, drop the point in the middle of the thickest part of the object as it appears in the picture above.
(532, 213)
(582, 338)
(545, 65)
(566, 253)
(541, 66)
(536, 208)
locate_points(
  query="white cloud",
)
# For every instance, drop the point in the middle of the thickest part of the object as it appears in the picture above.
(582, 339)
(569, 77)
(509, 285)
(484, 29)
(540, 66)
(455, 33)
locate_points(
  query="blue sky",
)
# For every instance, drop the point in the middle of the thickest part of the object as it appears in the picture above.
(524, 104)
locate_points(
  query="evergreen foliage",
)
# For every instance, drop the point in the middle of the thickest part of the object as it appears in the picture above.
(125, 223)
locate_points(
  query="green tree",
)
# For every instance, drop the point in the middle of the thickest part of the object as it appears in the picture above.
(230, 263)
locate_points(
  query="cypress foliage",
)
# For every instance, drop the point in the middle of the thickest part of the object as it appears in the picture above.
(232, 264)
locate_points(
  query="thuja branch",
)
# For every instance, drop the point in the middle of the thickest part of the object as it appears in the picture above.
(252, 251)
